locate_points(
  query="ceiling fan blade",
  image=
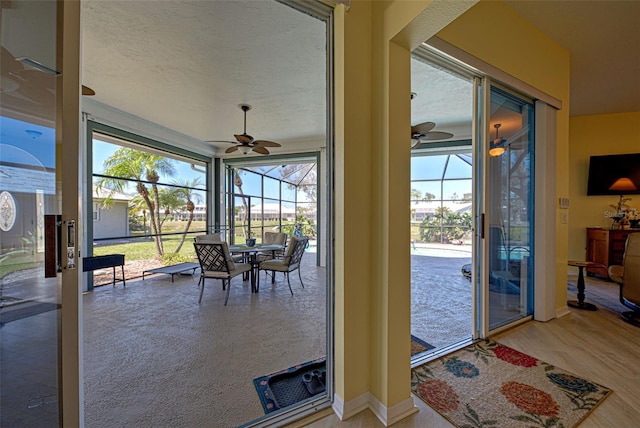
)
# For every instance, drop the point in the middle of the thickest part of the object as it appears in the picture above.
(437, 135)
(422, 128)
(415, 143)
(9, 63)
(265, 143)
(244, 138)
(231, 149)
(260, 150)
(87, 91)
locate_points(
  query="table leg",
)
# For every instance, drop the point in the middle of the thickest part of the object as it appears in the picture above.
(580, 303)
(252, 261)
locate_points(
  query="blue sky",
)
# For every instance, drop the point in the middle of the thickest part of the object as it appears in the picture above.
(103, 150)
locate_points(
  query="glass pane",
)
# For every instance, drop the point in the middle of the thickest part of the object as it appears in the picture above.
(511, 210)
(271, 188)
(251, 183)
(427, 167)
(457, 191)
(288, 192)
(29, 302)
(426, 190)
(458, 167)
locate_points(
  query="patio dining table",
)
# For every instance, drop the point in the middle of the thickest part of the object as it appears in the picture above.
(251, 256)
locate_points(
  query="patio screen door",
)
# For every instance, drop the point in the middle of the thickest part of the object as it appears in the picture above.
(509, 210)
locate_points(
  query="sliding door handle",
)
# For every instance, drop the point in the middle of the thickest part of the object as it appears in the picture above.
(52, 250)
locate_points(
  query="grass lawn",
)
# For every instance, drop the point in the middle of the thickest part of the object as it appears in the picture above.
(140, 250)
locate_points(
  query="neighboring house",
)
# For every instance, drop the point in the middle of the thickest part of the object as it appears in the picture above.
(424, 209)
(110, 220)
(272, 211)
(199, 213)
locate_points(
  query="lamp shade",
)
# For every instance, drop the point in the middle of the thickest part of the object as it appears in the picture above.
(496, 151)
(244, 149)
(623, 184)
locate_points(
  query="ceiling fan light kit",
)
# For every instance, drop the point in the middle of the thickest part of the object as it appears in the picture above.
(245, 142)
(497, 145)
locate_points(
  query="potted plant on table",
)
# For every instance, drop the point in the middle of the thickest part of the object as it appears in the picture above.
(250, 241)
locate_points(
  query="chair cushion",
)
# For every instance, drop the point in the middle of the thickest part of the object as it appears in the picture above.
(279, 238)
(277, 265)
(230, 263)
(239, 268)
(290, 247)
(616, 272)
(210, 237)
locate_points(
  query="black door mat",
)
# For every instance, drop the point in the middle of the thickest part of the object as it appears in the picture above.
(286, 387)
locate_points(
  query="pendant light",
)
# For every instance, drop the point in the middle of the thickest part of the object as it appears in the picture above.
(497, 145)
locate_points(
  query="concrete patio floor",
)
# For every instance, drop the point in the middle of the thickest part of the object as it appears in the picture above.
(154, 357)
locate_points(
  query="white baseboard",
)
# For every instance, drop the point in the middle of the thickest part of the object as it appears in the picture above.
(390, 415)
(344, 410)
(386, 415)
(564, 310)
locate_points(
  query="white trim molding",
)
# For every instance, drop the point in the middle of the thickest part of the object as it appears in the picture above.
(545, 218)
(387, 415)
(562, 311)
(484, 68)
(344, 410)
(390, 415)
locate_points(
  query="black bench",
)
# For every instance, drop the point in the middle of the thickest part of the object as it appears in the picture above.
(173, 269)
(101, 262)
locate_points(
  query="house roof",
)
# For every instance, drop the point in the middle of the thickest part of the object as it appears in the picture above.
(430, 207)
(102, 193)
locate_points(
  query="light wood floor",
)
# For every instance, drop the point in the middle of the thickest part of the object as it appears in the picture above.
(597, 345)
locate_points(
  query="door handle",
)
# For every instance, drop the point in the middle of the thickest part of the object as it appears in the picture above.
(52, 226)
(53, 244)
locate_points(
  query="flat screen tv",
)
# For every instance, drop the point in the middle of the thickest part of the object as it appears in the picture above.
(606, 171)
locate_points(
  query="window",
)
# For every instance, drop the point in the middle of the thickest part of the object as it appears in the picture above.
(96, 211)
(148, 197)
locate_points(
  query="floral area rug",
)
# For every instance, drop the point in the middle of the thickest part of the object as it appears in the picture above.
(491, 385)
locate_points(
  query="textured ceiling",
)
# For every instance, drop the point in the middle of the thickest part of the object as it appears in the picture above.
(603, 39)
(186, 65)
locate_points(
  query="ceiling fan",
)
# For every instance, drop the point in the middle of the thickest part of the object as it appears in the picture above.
(246, 143)
(423, 132)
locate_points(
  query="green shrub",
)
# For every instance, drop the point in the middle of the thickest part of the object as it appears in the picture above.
(172, 259)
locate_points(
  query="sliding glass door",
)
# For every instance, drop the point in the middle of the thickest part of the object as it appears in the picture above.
(510, 211)
(471, 203)
(30, 292)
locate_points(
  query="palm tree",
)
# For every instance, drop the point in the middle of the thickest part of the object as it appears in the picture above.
(142, 167)
(170, 199)
(237, 181)
(186, 193)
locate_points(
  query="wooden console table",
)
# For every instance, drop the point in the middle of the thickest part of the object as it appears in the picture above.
(605, 247)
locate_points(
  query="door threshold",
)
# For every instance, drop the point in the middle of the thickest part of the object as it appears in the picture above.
(435, 353)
